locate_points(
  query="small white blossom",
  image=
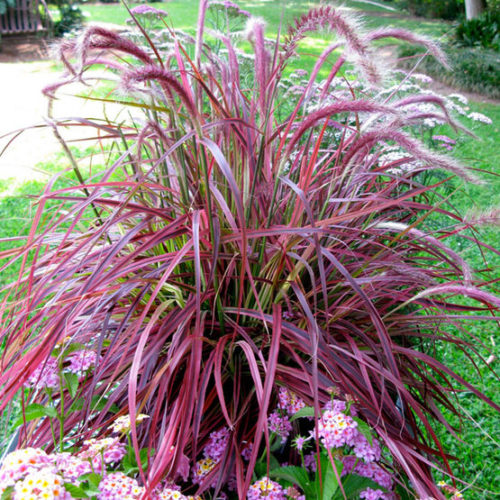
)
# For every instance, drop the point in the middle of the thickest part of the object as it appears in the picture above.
(479, 117)
(460, 98)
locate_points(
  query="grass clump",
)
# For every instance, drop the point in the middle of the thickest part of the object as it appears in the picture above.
(256, 235)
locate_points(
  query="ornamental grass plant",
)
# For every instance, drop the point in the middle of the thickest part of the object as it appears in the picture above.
(255, 243)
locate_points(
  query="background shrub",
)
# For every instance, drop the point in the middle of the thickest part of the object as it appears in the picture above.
(483, 31)
(71, 18)
(443, 9)
(472, 69)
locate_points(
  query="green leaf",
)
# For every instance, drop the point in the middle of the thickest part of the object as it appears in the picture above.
(260, 469)
(330, 482)
(76, 405)
(278, 443)
(365, 429)
(114, 408)
(34, 411)
(91, 489)
(296, 475)
(90, 484)
(7, 493)
(3, 10)
(403, 492)
(307, 411)
(75, 491)
(144, 455)
(71, 380)
(11, 3)
(91, 478)
(50, 411)
(97, 404)
(354, 485)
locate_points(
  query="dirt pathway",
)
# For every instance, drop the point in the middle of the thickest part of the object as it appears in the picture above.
(22, 104)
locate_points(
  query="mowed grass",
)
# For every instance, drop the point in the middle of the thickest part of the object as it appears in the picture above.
(477, 447)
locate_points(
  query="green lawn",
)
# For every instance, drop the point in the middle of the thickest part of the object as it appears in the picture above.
(478, 454)
(184, 13)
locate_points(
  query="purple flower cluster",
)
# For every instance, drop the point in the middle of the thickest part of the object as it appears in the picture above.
(117, 486)
(279, 420)
(32, 473)
(231, 8)
(145, 9)
(337, 406)
(280, 424)
(370, 470)
(217, 443)
(246, 453)
(43, 483)
(444, 141)
(479, 117)
(81, 361)
(19, 463)
(212, 454)
(289, 402)
(47, 375)
(202, 468)
(267, 489)
(363, 449)
(107, 450)
(72, 467)
(336, 429)
(370, 494)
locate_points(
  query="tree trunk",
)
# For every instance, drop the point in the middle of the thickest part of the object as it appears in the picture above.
(473, 8)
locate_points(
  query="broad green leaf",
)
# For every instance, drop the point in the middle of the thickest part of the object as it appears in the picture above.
(260, 469)
(307, 411)
(34, 411)
(91, 489)
(71, 380)
(76, 405)
(365, 429)
(330, 482)
(3, 10)
(7, 493)
(296, 475)
(91, 477)
(71, 348)
(114, 408)
(277, 444)
(144, 455)
(75, 491)
(354, 485)
(50, 411)
(97, 404)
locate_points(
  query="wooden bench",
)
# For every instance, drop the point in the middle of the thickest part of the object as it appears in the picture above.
(23, 18)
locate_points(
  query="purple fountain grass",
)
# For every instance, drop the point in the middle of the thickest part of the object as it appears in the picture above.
(235, 252)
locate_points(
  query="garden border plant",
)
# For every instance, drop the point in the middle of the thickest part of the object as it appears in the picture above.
(257, 247)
